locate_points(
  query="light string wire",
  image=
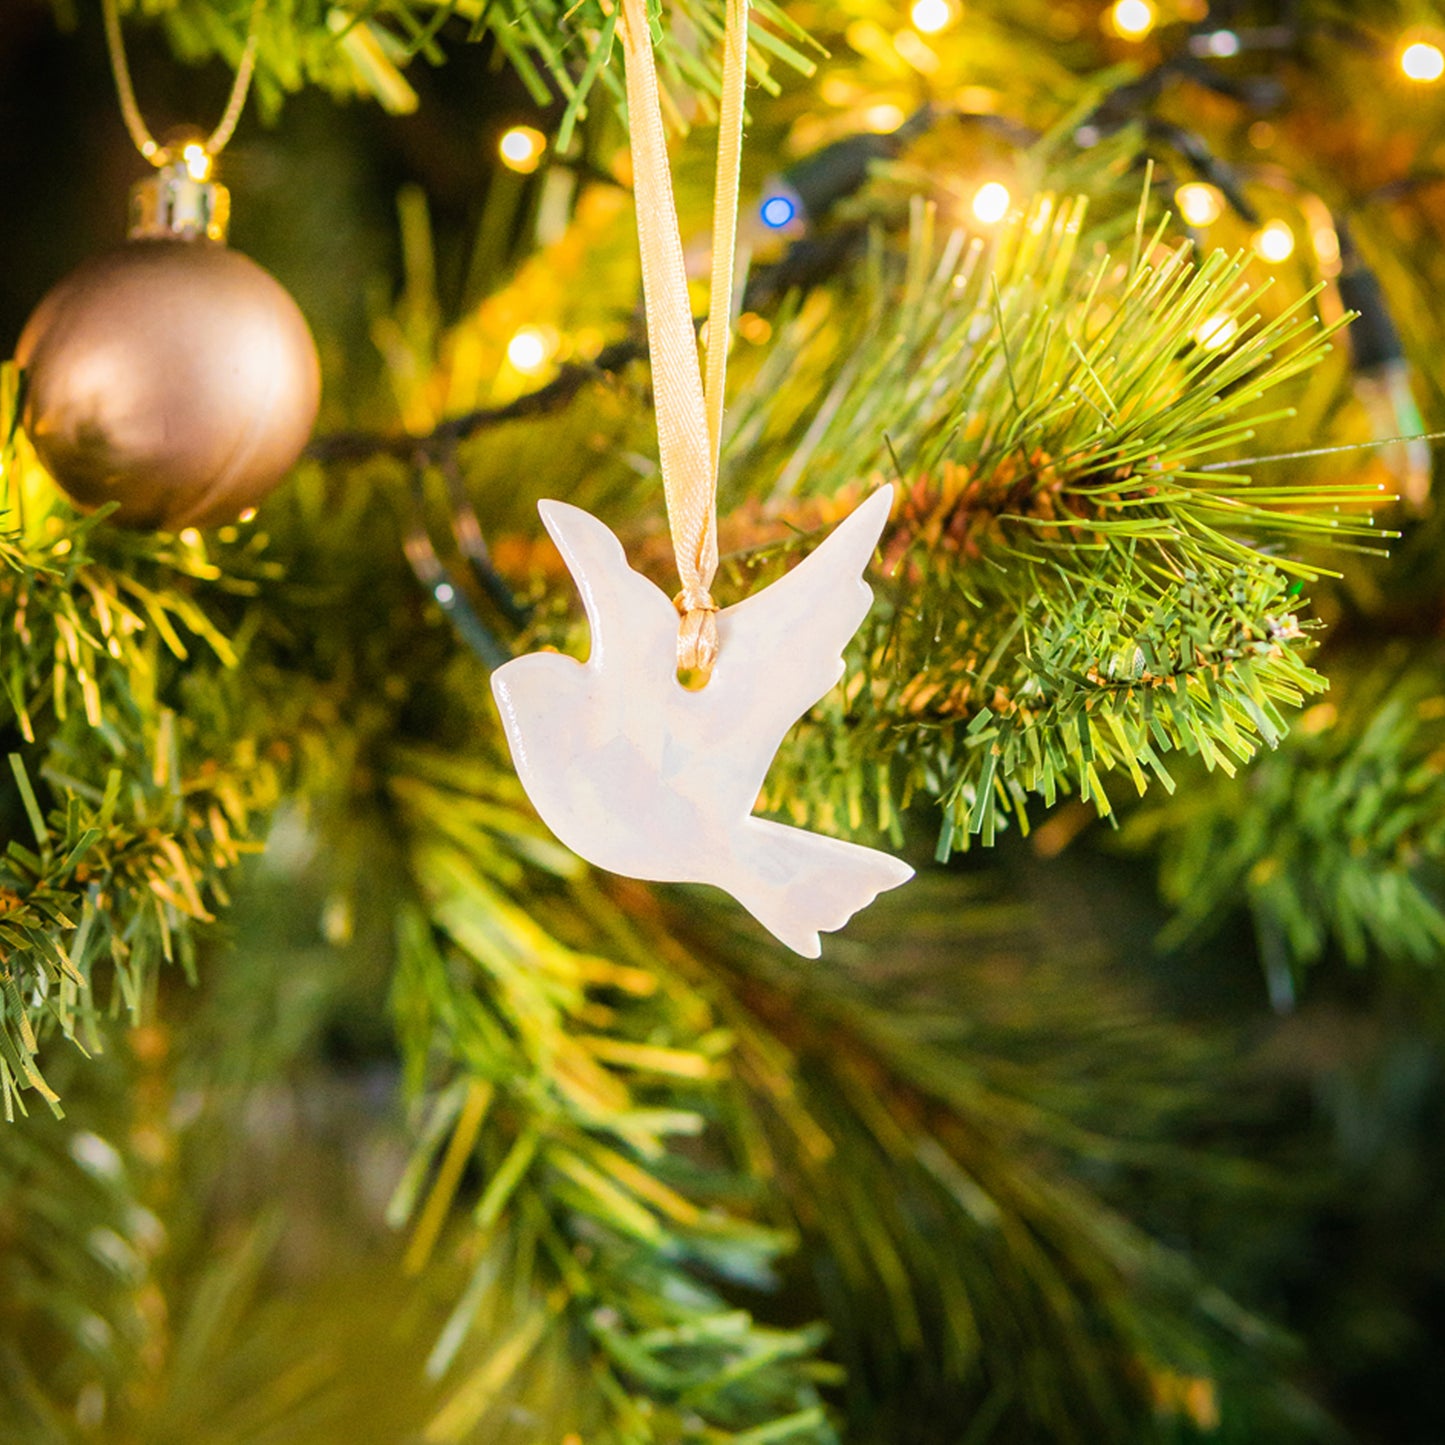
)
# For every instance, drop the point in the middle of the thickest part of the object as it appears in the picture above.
(157, 154)
(689, 420)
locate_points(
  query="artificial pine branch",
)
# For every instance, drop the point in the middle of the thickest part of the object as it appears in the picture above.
(1338, 839)
(940, 1186)
(560, 51)
(124, 812)
(1070, 591)
(573, 1076)
(1050, 415)
(1080, 575)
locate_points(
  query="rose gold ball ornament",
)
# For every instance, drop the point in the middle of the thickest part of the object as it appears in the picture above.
(171, 375)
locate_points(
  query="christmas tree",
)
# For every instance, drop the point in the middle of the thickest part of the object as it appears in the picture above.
(343, 1102)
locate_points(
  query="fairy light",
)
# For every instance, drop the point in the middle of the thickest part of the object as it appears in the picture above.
(529, 350)
(991, 202)
(1220, 43)
(754, 328)
(1133, 19)
(931, 16)
(249, 515)
(197, 159)
(1423, 62)
(883, 118)
(1215, 332)
(521, 149)
(1199, 203)
(1273, 242)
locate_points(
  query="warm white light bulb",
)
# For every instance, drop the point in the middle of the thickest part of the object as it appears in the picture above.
(521, 149)
(1423, 61)
(883, 118)
(529, 350)
(1200, 204)
(1223, 43)
(931, 16)
(1215, 332)
(991, 202)
(197, 159)
(1133, 19)
(1274, 242)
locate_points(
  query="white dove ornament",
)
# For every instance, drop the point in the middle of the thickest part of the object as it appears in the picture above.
(644, 778)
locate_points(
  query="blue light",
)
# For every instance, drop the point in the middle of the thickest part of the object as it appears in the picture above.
(777, 212)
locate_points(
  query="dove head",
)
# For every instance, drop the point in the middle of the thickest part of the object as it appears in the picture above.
(630, 620)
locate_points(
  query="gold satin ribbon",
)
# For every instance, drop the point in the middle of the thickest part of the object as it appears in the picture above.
(689, 419)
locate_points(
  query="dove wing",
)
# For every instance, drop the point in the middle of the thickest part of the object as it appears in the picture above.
(632, 624)
(781, 650)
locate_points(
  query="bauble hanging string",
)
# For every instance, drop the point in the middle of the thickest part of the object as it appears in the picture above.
(145, 143)
(172, 376)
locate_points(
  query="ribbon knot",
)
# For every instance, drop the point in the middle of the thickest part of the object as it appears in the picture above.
(697, 639)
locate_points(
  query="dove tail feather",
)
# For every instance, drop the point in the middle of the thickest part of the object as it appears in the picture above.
(798, 884)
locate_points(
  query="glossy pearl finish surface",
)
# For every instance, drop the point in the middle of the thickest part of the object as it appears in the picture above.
(642, 777)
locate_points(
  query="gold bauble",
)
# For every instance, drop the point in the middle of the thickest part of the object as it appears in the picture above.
(175, 377)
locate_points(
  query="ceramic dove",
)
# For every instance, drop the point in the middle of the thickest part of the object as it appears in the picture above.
(644, 778)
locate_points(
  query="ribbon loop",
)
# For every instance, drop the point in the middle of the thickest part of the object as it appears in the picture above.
(689, 420)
